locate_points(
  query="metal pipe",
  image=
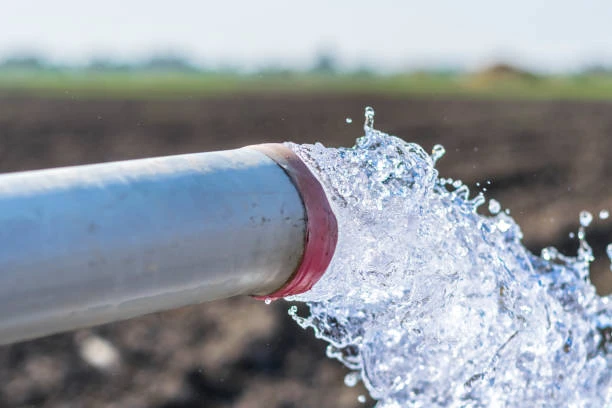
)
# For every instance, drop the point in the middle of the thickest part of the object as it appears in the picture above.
(86, 245)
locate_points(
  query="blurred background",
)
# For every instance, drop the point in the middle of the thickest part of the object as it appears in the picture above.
(518, 92)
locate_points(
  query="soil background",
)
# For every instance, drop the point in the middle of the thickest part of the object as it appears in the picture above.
(546, 161)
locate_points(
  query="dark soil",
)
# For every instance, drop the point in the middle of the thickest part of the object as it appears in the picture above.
(546, 161)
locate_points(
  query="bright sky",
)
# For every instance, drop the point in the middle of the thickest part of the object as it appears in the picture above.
(546, 34)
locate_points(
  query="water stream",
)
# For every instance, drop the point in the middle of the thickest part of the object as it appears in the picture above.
(431, 304)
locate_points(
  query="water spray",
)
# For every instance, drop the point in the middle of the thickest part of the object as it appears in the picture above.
(432, 304)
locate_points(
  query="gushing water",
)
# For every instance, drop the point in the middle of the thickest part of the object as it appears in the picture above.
(433, 305)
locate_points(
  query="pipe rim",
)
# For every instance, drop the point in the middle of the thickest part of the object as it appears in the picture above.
(321, 232)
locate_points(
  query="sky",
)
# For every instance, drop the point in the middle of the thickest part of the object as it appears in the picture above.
(386, 35)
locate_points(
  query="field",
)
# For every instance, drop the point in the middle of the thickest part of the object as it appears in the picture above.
(497, 82)
(546, 160)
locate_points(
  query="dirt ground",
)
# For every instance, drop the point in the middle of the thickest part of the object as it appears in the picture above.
(546, 161)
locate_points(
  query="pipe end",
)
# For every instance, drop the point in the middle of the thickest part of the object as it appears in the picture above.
(321, 224)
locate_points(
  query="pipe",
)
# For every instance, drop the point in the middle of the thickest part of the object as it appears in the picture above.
(86, 245)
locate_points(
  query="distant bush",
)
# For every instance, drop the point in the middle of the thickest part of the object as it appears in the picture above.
(101, 64)
(169, 63)
(325, 64)
(597, 70)
(25, 63)
(503, 71)
(275, 72)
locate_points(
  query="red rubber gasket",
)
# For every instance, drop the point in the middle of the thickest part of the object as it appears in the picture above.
(321, 224)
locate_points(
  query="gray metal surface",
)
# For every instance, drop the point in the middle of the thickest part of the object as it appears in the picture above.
(81, 246)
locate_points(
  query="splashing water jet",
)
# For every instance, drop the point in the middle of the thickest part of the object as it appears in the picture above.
(433, 305)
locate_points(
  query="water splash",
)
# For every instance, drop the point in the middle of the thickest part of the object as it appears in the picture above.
(585, 218)
(494, 206)
(368, 124)
(433, 305)
(437, 152)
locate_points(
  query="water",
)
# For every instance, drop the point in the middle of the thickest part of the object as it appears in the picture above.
(432, 305)
(494, 206)
(585, 218)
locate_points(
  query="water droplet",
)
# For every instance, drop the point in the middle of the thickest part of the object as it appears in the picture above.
(437, 152)
(604, 214)
(572, 235)
(361, 399)
(349, 120)
(369, 118)
(267, 301)
(457, 183)
(352, 378)
(494, 206)
(478, 184)
(609, 253)
(585, 218)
